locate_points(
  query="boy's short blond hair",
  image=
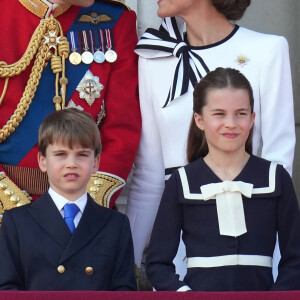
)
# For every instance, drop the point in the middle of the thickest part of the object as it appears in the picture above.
(71, 127)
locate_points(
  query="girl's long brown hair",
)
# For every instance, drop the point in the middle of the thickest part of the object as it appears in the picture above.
(218, 79)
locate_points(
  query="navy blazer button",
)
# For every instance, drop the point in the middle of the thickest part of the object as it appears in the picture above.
(89, 270)
(61, 269)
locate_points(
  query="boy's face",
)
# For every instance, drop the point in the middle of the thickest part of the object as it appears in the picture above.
(69, 170)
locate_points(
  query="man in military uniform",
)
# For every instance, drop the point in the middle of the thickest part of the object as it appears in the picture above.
(56, 54)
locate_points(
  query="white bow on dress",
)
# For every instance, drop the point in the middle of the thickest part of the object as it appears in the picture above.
(230, 210)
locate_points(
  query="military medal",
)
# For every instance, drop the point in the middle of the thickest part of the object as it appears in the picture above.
(75, 57)
(87, 57)
(98, 55)
(110, 54)
(89, 88)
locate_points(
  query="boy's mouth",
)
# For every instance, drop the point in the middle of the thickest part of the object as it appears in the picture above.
(71, 175)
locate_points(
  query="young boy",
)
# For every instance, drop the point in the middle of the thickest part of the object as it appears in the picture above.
(92, 248)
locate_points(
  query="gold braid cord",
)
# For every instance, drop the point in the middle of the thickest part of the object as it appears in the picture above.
(10, 195)
(47, 42)
(102, 186)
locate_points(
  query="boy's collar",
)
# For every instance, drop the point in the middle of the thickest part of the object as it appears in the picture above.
(43, 8)
(61, 201)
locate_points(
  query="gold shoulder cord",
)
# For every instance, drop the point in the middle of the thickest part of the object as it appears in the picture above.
(47, 42)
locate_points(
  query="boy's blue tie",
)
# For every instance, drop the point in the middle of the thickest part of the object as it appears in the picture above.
(71, 211)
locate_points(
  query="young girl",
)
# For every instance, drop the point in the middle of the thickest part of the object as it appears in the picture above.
(197, 36)
(227, 202)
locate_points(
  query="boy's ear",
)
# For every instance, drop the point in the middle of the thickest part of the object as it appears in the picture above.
(42, 162)
(96, 163)
(199, 121)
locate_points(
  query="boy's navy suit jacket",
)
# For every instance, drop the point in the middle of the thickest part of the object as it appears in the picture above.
(38, 252)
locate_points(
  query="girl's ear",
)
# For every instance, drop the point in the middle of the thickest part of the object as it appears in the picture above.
(199, 121)
(42, 162)
(252, 119)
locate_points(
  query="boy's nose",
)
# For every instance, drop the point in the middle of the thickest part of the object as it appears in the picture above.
(71, 162)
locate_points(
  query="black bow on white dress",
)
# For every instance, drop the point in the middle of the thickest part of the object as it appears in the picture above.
(167, 41)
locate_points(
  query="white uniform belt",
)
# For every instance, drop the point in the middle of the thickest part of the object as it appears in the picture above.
(229, 260)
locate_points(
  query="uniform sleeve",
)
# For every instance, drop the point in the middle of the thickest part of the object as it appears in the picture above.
(277, 108)
(123, 278)
(164, 242)
(120, 132)
(288, 225)
(10, 272)
(148, 178)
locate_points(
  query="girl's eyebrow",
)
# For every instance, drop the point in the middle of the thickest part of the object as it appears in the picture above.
(218, 109)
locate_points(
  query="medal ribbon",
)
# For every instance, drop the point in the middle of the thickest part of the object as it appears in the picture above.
(85, 41)
(74, 40)
(97, 40)
(92, 41)
(102, 39)
(168, 41)
(107, 32)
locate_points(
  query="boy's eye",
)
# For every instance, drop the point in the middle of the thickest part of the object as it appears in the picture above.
(60, 154)
(83, 154)
(218, 114)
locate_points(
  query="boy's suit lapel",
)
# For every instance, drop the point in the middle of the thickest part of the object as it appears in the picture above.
(92, 220)
(47, 215)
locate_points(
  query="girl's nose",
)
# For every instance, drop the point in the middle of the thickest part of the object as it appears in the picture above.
(230, 121)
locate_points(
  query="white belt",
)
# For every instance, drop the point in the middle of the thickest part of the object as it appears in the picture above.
(229, 260)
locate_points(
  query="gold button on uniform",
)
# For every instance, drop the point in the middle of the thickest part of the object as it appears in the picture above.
(61, 269)
(89, 270)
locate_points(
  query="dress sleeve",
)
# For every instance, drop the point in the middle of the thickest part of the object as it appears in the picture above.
(277, 108)
(164, 241)
(288, 226)
(120, 132)
(148, 178)
(10, 271)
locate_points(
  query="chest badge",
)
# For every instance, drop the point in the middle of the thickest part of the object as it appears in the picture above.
(242, 60)
(89, 88)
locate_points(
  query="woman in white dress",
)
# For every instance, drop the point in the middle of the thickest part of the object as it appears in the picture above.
(171, 62)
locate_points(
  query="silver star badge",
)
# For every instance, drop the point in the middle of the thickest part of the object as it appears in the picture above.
(89, 88)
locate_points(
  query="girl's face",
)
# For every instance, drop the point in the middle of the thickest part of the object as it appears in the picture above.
(171, 8)
(226, 120)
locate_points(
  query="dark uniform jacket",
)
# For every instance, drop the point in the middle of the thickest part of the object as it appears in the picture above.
(272, 208)
(38, 252)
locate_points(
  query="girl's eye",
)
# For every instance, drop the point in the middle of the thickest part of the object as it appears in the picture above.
(219, 114)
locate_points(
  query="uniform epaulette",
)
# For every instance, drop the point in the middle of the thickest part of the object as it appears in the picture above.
(118, 2)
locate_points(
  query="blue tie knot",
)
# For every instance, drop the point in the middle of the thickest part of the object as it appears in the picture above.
(71, 211)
